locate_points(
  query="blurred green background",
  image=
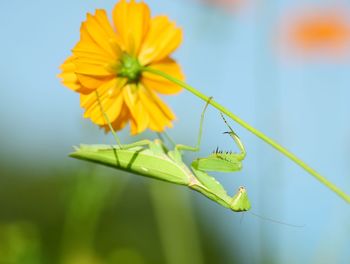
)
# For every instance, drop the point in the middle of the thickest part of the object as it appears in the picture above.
(54, 209)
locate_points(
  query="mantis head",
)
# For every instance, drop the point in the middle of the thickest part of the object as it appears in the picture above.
(240, 201)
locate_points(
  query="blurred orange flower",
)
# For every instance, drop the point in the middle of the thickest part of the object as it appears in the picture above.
(325, 32)
(109, 58)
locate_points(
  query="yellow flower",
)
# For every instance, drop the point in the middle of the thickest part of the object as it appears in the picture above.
(109, 58)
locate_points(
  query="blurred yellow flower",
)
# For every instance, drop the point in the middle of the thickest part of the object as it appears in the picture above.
(109, 58)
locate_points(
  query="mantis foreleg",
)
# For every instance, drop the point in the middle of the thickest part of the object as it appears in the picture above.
(242, 154)
(222, 161)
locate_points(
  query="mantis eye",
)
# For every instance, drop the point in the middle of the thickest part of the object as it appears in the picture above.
(241, 189)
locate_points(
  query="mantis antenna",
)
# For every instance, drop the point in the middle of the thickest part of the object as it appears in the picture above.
(275, 221)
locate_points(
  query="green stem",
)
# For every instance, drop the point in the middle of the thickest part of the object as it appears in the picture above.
(253, 130)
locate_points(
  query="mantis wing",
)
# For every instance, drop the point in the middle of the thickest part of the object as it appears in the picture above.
(137, 160)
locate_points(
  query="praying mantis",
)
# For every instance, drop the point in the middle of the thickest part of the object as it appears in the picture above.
(153, 159)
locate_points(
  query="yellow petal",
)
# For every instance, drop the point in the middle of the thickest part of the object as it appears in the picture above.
(133, 126)
(88, 44)
(161, 105)
(110, 101)
(162, 39)
(112, 89)
(88, 68)
(92, 82)
(91, 72)
(102, 18)
(131, 21)
(158, 83)
(111, 107)
(136, 108)
(90, 48)
(90, 58)
(69, 78)
(101, 32)
(121, 121)
(160, 116)
(90, 101)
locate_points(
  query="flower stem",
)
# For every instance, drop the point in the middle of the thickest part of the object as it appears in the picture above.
(253, 130)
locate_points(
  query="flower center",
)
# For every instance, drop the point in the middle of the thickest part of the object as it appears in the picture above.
(129, 68)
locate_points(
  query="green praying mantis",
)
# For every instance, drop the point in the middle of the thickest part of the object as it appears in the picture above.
(153, 159)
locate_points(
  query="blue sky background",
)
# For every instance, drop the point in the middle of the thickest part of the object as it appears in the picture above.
(303, 104)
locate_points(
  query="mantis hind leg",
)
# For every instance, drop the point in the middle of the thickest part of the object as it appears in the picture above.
(140, 143)
(119, 145)
(196, 148)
